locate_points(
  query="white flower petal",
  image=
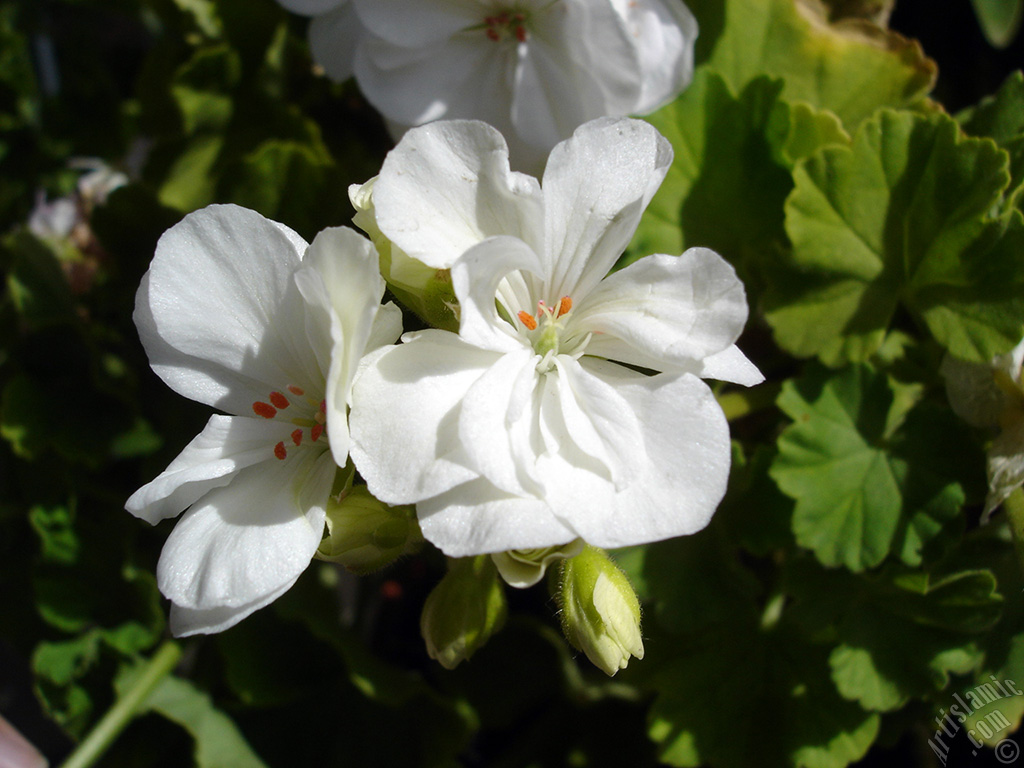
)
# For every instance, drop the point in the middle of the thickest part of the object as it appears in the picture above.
(1005, 465)
(477, 518)
(218, 313)
(413, 86)
(226, 445)
(192, 621)
(664, 33)
(334, 37)
(579, 65)
(404, 417)
(487, 422)
(244, 542)
(668, 313)
(600, 421)
(730, 365)
(972, 391)
(476, 277)
(687, 441)
(447, 187)
(387, 326)
(340, 277)
(421, 23)
(596, 185)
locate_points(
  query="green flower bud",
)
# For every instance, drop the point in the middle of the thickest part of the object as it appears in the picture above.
(463, 611)
(425, 290)
(600, 610)
(525, 567)
(365, 534)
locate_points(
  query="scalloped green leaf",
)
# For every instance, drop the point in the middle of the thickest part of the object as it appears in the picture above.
(785, 711)
(904, 217)
(724, 189)
(851, 67)
(865, 480)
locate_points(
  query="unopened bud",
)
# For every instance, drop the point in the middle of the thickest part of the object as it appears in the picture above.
(600, 610)
(463, 611)
(365, 534)
(425, 290)
(525, 567)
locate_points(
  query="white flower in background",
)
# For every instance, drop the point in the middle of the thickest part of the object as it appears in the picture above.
(520, 431)
(534, 69)
(992, 396)
(238, 312)
(57, 220)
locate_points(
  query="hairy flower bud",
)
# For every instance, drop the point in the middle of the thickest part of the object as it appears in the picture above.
(463, 611)
(365, 534)
(600, 610)
(425, 290)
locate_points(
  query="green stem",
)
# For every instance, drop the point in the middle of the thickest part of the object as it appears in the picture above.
(1014, 506)
(741, 402)
(124, 709)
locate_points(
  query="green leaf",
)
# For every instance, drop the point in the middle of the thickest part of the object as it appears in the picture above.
(784, 710)
(671, 568)
(994, 703)
(724, 190)
(218, 742)
(798, 130)
(1000, 20)
(1001, 117)
(848, 500)
(858, 475)
(903, 216)
(58, 668)
(284, 180)
(850, 68)
(36, 283)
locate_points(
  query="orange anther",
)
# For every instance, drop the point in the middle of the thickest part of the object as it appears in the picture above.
(297, 391)
(297, 436)
(564, 306)
(279, 400)
(492, 33)
(266, 410)
(521, 34)
(316, 431)
(280, 451)
(527, 320)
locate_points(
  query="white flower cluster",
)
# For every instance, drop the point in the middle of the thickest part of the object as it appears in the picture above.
(569, 405)
(534, 69)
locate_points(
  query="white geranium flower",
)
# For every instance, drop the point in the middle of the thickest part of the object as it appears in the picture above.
(521, 432)
(534, 69)
(238, 312)
(992, 396)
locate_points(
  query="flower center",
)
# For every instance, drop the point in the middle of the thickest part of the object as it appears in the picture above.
(312, 428)
(547, 332)
(506, 25)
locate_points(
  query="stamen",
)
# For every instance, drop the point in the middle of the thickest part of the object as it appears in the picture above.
(316, 431)
(280, 451)
(564, 306)
(527, 320)
(266, 410)
(279, 400)
(297, 391)
(297, 436)
(492, 34)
